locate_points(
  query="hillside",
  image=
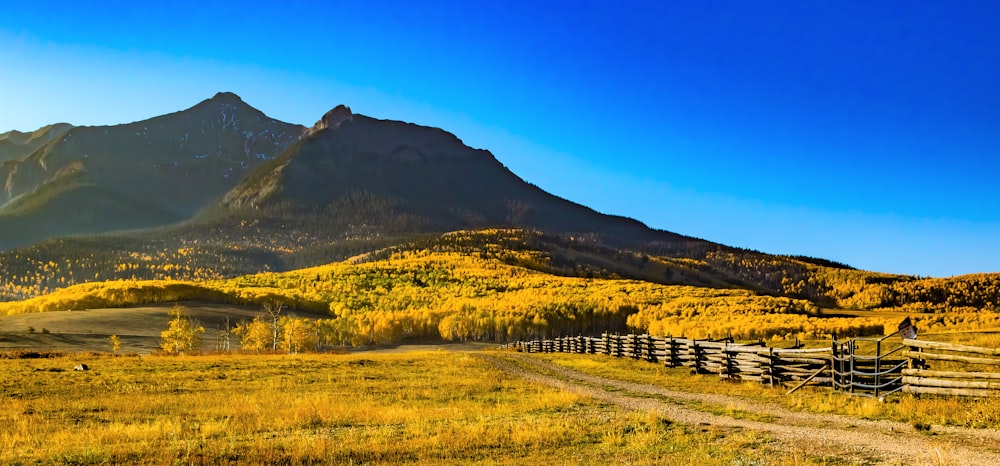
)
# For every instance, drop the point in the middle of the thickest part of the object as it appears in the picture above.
(74, 202)
(15, 145)
(56, 264)
(455, 296)
(503, 293)
(143, 174)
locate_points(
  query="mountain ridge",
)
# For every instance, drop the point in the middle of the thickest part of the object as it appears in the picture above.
(175, 163)
(15, 145)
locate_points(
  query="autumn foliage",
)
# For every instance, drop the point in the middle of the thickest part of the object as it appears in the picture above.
(504, 285)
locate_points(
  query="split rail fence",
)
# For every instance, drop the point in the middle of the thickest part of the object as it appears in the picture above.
(958, 379)
(875, 367)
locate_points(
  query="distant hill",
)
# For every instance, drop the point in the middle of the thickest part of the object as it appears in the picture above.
(15, 145)
(144, 174)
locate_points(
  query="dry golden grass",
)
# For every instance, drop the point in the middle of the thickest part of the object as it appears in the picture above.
(424, 408)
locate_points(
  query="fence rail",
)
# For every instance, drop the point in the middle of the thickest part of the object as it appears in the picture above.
(918, 378)
(861, 366)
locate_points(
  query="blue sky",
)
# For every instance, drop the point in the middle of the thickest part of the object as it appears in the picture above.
(863, 132)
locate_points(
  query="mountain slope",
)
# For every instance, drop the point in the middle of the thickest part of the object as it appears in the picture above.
(359, 175)
(55, 264)
(71, 197)
(161, 170)
(15, 145)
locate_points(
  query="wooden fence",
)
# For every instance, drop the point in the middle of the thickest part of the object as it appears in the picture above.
(875, 367)
(919, 378)
(744, 362)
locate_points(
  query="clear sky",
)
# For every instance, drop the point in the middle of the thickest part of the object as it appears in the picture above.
(863, 132)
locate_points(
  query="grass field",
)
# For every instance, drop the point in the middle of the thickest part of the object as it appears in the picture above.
(425, 407)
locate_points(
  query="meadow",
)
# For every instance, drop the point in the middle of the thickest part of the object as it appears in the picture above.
(365, 408)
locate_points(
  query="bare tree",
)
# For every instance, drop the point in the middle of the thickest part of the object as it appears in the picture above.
(222, 336)
(273, 309)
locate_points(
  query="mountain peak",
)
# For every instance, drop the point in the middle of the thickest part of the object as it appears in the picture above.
(224, 100)
(226, 96)
(333, 118)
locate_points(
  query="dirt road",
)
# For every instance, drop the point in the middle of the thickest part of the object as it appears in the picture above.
(822, 435)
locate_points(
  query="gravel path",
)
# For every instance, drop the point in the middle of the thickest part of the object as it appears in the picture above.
(857, 440)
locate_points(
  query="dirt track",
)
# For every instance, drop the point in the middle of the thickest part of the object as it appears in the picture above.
(851, 439)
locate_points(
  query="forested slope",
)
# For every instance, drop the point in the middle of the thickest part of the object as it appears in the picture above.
(48, 267)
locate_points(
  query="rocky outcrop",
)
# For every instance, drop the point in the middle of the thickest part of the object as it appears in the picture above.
(333, 119)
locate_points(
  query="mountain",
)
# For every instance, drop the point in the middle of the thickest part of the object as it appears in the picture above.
(363, 176)
(138, 175)
(15, 145)
(221, 190)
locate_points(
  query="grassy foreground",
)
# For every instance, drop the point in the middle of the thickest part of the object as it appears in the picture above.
(425, 408)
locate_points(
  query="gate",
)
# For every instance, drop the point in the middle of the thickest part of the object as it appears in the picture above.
(870, 367)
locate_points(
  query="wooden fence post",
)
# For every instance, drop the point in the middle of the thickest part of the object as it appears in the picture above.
(729, 360)
(697, 356)
(670, 352)
(771, 366)
(834, 363)
(850, 350)
(651, 348)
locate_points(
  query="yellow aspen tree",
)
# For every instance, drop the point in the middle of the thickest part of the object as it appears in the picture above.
(298, 334)
(254, 336)
(182, 334)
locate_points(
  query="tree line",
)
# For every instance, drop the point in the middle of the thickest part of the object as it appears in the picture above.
(454, 296)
